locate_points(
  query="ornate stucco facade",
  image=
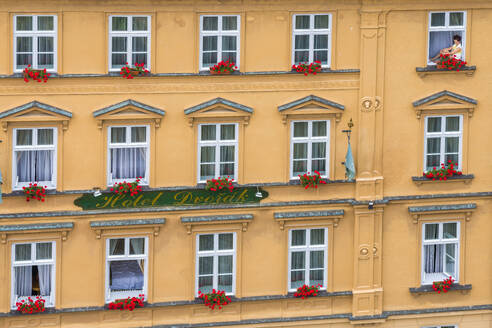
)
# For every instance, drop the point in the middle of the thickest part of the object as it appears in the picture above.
(377, 75)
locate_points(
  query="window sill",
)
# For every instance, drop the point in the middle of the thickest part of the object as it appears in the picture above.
(428, 289)
(466, 178)
(432, 70)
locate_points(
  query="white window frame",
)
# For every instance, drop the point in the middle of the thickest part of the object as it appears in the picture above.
(215, 253)
(50, 301)
(128, 144)
(110, 297)
(34, 33)
(441, 241)
(128, 34)
(49, 184)
(309, 140)
(219, 33)
(307, 249)
(217, 143)
(445, 28)
(311, 32)
(443, 134)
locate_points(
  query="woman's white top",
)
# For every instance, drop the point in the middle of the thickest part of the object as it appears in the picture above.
(457, 48)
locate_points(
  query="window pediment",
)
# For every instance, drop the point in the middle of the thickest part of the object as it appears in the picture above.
(35, 112)
(218, 108)
(311, 105)
(444, 101)
(193, 223)
(128, 110)
(152, 225)
(442, 211)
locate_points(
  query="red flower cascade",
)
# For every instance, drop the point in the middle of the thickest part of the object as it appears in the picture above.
(444, 172)
(31, 306)
(306, 291)
(450, 62)
(219, 184)
(127, 187)
(127, 304)
(215, 298)
(35, 191)
(306, 68)
(223, 67)
(442, 286)
(129, 72)
(35, 74)
(308, 180)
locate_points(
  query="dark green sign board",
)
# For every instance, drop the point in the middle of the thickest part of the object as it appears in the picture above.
(170, 198)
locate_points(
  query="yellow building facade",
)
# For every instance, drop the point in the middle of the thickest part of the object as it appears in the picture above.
(376, 243)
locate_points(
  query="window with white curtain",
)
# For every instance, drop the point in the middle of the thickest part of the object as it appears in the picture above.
(217, 151)
(440, 251)
(311, 39)
(35, 38)
(308, 257)
(443, 26)
(33, 272)
(216, 263)
(219, 39)
(128, 153)
(443, 140)
(129, 41)
(126, 267)
(309, 148)
(34, 158)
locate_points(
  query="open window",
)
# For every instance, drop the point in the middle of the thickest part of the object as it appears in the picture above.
(443, 27)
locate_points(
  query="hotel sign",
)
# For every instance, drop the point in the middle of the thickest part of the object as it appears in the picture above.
(188, 197)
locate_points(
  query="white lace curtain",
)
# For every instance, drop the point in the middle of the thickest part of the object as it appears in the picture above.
(34, 165)
(128, 163)
(24, 274)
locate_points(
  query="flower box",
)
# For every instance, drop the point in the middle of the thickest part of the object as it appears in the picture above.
(223, 67)
(31, 306)
(215, 298)
(443, 173)
(442, 286)
(127, 303)
(306, 68)
(35, 74)
(129, 72)
(450, 62)
(308, 180)
(133, 188)
(306, 291)
(34, 191)
(219, 184)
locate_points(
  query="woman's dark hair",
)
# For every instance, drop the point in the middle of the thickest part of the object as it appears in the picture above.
(457, 37)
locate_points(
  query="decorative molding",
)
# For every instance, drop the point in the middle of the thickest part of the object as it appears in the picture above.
(128, 110)
(370, 103)
(35, 112)
(283, 217)
(218, 108)
(311, 105)
(100, 226)
(190, 221)
(465, 209)
(444, 101)
(62, 227)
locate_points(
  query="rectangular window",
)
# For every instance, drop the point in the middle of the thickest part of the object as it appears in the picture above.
(216, 263)
(126, 267)
(440, 251)
(217, 151)
(308, 257)
(33, 272)
(443, 140)
(443, 26)
(35, 38)
(309, 148)
(129, 41)
(219, 40)
(311, 39)
(34, 158)
(128, 153)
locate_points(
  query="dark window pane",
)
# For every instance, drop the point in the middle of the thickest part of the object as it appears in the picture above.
(118, 135)
(24, 137)
(227, 153)
(433, 145)
(225, 283)
(205, 265)
(321, 56)
(23, 252)
(118, 44)
(139, 44)
(206, 242)
(45, 61)
(227, 169)
(119, 24)
(24, 44)
(210, 43)
(297, 279)
(207, 171)
(229, 56)
(139, 58)
(301, 57)
(317, 236)
(46, 23)
(434, 124)
(227, 132)
(118, 60)
(23, 60)
(318, 150)
(205, 284)
(24, 23)
(137, 246)
(431, 231)
(225, 241)
(321, 21)
(438, 19)
(45, 44)
(316, 277)
(208, 132)
(452, 123)
(301, 42)
(299, 167)
(207, 154)
(298, 237)
(300, 129)
(300, 150)
(319, 129)
(45, 136)
(319, 165)
(229, 43)
(117, 246)
(321, 41)
(229, 23)
(210, 23)
(433, 161)
(225, 264)
(209, 59)
(455, 19)
(298, 260)
(139, 24)
(452, 144)
(302, 22)
(139, 134)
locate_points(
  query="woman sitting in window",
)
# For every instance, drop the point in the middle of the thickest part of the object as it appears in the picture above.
(454, 50)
